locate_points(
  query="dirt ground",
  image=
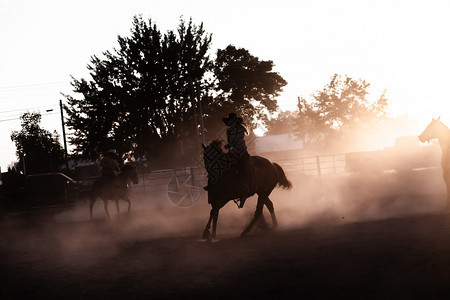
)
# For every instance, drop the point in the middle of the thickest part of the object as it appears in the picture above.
(156, 252)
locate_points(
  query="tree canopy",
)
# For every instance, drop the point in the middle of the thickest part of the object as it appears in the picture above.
(143, 98)
(284, 123)
(338, 111)
(245, 83)
(38, 150)
(139, 95)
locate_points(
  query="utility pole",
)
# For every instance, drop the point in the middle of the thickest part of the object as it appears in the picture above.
(64, 135)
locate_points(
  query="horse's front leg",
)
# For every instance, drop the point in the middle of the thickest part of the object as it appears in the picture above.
(214, 228)
(91, 203)
(213, 216)
(116, 202)
(206, 233)
(105, 204)
(258, 213)
(127, 200)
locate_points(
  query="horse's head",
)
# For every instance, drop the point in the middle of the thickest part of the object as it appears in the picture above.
(129, 170)
(212, 152)
(435, 129)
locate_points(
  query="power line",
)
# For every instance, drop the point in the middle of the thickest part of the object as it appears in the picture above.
(16, 118)
(29, 108)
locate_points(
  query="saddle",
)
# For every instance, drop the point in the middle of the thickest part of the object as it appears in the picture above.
(110, 181)
(238, 174)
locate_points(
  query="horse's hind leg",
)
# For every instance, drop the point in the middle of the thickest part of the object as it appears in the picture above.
(116, 202)
(91, 203)
(269, 206)
(127, 200)
(258, 213)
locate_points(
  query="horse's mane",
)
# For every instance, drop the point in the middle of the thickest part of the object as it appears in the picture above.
(216, 143)
(215, 159)
(439, 120)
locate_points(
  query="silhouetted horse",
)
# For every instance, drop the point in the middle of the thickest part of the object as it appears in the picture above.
(223, 188)
(437, 129)
(115, 189)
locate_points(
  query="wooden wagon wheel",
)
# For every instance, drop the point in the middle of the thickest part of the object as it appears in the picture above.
(184, 190)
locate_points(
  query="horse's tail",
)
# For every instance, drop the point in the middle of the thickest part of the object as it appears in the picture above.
(281, 178)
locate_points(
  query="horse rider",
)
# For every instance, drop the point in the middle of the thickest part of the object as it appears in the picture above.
(239, 155)
(110, 165)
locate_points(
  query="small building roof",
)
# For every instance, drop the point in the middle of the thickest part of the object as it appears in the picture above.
(278, 142)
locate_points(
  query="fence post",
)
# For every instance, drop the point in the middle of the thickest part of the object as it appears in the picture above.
(318, 166)
(303, 165)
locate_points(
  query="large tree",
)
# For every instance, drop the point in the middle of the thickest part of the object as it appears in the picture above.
(283, 123)
(338, 112)
(243, 84)
(38, 150)
(143, 98)
(141, 95)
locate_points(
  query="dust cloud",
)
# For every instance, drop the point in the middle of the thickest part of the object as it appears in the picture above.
(361, 197)
(325, 201)
(155, 250)
(386, 173)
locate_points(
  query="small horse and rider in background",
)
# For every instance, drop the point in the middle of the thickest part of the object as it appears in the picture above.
(114, 183)
(237, 175)
(438, 130)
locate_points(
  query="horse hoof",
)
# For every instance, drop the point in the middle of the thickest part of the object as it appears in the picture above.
(263, 226)
(211, 239)
(206, 235)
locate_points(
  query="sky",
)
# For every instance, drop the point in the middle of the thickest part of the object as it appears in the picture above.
(402, 47)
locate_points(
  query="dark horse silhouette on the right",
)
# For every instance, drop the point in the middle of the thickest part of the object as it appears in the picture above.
(114, 189)
(223, 188)
(437, 129)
